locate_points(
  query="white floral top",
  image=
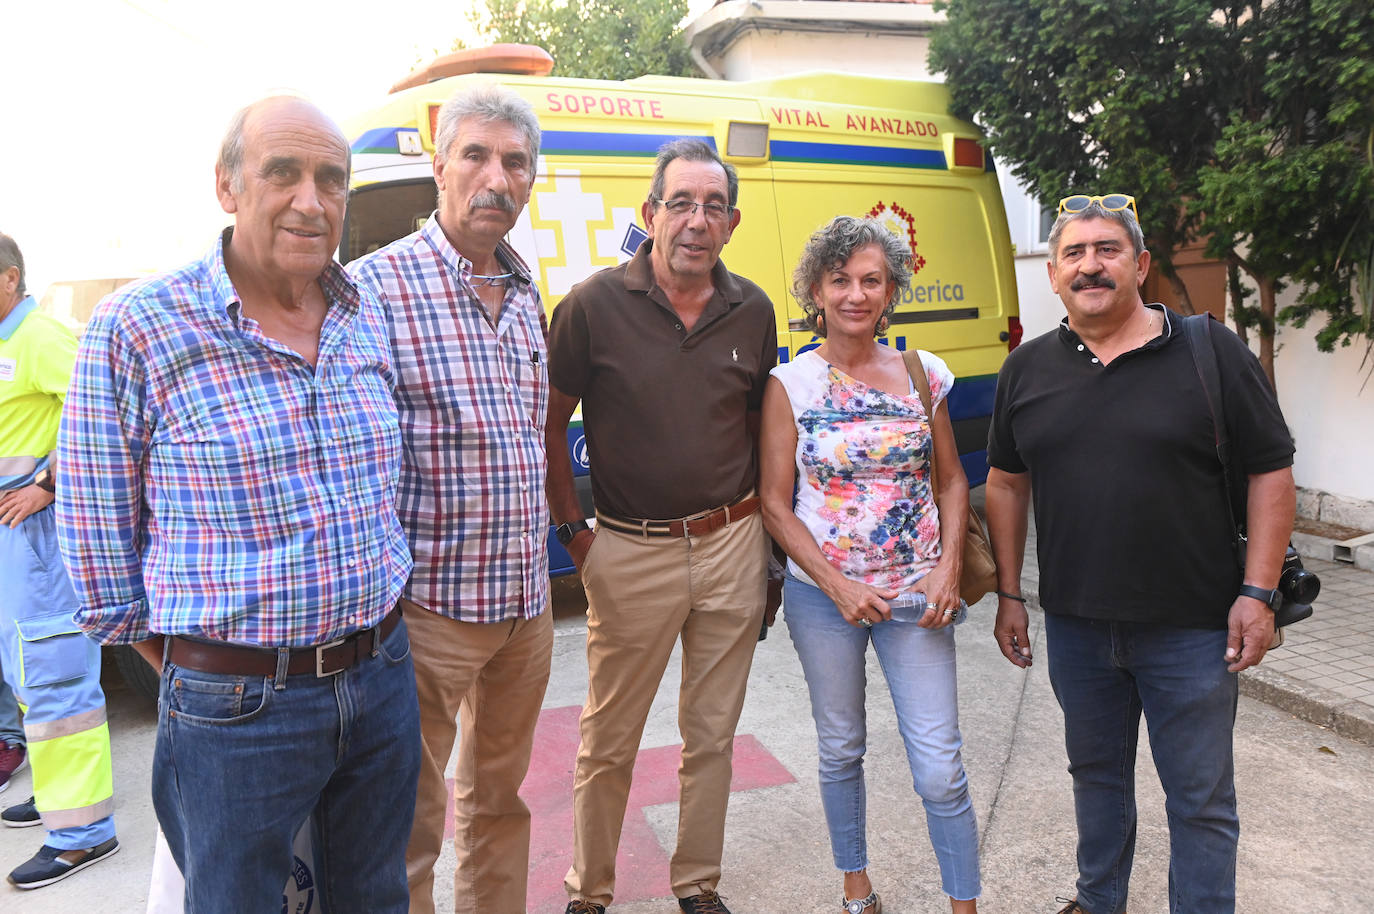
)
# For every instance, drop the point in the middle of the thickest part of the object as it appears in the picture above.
(863, 471)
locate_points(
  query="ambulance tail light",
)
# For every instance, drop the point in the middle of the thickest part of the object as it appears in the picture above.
(968, 153)
(1012, 335)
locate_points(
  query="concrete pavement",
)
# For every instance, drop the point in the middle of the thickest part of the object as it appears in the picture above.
(1307, 801)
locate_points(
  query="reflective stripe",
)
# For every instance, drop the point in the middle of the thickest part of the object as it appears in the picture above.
(17, 466)
(73, 774)
(53, 729)
(75, 818)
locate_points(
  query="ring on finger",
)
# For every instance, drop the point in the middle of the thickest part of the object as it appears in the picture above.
(865, 623)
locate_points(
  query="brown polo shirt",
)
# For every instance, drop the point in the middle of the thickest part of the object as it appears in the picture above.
(663, 409)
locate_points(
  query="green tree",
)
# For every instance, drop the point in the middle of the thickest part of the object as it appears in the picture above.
(1239, 122)
(1288, 194)
(595, 39)
(1095, 96)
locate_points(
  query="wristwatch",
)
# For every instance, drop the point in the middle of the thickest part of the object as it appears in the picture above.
(1271, 598)
(45, 480)
(566, 532)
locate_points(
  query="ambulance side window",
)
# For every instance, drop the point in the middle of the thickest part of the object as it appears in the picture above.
(381, 213)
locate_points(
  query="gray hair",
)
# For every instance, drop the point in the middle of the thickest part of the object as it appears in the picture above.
(11, 256)
(692, 151)
(486, 102)
(1122, 217)
(832, 246)
(231, 147)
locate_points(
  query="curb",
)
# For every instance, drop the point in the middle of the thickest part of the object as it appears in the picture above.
(1323, 707)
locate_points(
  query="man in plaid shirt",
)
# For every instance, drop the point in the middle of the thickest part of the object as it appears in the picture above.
(467, 328)
(229, 454)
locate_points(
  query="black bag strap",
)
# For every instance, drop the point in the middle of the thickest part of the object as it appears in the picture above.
(1198, 329)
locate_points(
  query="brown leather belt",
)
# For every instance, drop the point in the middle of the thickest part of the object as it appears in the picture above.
(700, 525)
(243, 660)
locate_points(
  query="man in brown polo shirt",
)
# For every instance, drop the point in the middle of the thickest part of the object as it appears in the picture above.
(668, 354)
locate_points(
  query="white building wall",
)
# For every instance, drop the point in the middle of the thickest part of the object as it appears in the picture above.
(1331, 419)
(768, 53)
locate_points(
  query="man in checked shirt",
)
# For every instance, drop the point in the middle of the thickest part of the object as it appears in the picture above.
(467, 328)
(229, 454)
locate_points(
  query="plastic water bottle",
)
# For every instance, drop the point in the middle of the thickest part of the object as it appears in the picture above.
(910, 606)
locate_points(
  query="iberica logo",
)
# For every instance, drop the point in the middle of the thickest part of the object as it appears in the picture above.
(901, 224)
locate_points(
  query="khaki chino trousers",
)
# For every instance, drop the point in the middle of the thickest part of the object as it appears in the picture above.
(492, 676)
(643, 594)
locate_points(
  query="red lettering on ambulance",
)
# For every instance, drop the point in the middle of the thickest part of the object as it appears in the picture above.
(554, 105)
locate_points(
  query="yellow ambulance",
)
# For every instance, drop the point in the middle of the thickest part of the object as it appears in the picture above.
(807, 148)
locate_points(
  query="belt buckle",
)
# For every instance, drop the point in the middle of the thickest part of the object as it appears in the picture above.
(319, 658)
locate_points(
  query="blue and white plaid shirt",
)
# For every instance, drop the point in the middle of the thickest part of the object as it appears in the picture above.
(214, 484)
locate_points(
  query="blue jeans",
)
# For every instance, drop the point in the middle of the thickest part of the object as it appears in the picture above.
(240, 763)
(1104, 675)
(918, 664)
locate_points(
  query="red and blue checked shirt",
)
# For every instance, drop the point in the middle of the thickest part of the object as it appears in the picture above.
(473, 398)
(214, 484)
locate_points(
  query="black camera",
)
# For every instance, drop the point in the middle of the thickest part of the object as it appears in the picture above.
(1299, 589)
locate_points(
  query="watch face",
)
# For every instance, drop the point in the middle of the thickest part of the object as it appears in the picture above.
(855, 907)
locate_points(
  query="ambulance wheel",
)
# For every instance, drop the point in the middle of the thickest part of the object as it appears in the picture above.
(136, 672)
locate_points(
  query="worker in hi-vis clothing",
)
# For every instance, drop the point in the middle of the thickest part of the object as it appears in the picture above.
(52, 666)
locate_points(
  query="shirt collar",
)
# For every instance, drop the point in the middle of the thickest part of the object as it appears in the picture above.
(16, 317)
(336, 284)
(1068, 336)
(639, 275)
(506, 255)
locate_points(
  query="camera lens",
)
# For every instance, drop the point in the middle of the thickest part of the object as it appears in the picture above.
(1300, 585)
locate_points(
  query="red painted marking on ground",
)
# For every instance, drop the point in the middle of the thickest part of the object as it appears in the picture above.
(641, 868)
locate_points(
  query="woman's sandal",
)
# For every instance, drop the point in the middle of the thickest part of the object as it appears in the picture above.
(872, 904)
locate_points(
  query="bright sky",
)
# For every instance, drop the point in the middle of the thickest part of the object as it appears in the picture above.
(113, 110)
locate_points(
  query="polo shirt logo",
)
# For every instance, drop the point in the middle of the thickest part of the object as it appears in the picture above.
(734, 354)
(7, 367)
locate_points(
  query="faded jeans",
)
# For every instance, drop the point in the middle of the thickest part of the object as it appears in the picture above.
(919, 666)
(239, 765)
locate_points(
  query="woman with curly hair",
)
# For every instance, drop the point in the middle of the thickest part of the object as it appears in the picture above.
(848, 493)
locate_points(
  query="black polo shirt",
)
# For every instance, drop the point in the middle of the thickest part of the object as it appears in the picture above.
(1130, 510)
(663, 409)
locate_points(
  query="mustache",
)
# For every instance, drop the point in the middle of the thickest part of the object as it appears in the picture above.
(490, 199)
(1092, 282)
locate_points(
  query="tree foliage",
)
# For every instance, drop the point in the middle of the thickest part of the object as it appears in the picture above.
(1236, 122)
(595, 39)
(1288, 193)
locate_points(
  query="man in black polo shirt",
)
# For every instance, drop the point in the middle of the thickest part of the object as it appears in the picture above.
(1104, 423)
(669, 354)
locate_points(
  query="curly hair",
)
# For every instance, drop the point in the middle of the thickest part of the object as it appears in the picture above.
(831, 247)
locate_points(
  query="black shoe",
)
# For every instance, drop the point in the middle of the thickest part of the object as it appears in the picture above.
(708, 902)
(582, 906)
(21, 815)
(47, 866)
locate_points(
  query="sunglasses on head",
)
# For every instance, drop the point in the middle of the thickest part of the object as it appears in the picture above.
(1110, 202)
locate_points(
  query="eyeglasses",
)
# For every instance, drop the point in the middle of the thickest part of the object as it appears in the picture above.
(1110, 202)
(715, 212)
